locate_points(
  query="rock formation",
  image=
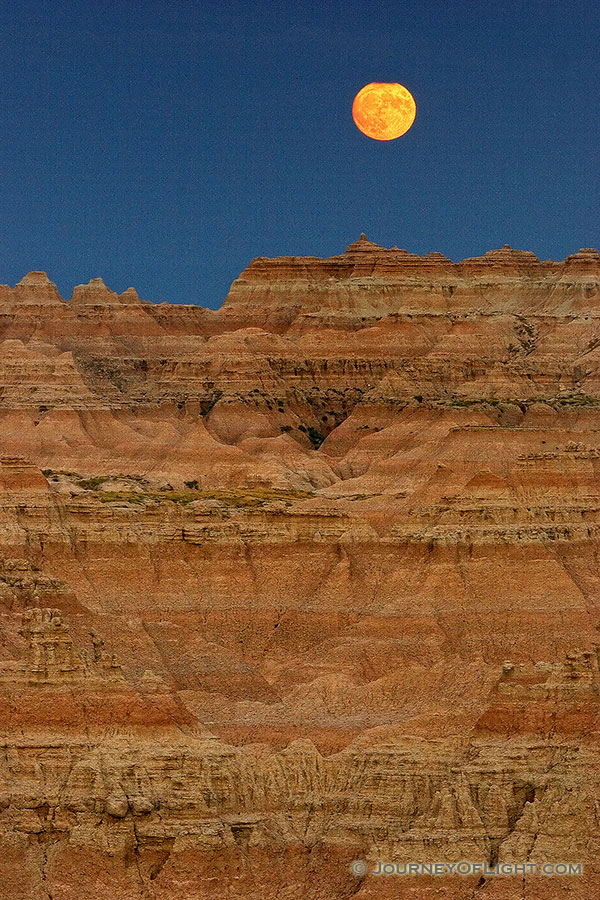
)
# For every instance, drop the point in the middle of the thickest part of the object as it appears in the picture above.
(305, 580)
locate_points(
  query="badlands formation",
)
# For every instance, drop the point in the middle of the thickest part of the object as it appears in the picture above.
(309, 579)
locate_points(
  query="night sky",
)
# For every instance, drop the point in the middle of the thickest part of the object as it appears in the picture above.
(163, 145)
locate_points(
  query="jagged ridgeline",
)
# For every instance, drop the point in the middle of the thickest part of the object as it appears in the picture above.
(308, 579)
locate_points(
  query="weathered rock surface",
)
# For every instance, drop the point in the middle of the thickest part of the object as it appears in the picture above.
(309, 579)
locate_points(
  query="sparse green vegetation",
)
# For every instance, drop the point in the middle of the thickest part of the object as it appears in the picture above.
(523, 404)
(242, 498)
(209, 401)
(192, 485)
(92, 484)
(315, 437)
(484, 401)
(578, 400)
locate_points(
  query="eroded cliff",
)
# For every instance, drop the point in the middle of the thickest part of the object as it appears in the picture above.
(308, 579)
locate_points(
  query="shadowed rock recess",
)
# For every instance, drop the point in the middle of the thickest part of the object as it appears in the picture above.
(308, 579)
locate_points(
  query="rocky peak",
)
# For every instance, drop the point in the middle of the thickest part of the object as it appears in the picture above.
(94, 293)
(36, 289)
(35, 278)
(505, 254)
(363, 245)
(130, 297)
(585, 260)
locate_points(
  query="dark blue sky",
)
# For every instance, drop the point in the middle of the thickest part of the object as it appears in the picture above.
(163, 145)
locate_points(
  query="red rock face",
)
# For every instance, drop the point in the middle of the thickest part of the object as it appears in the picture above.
(306, 580)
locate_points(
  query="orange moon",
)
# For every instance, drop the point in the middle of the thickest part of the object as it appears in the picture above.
(384, 112)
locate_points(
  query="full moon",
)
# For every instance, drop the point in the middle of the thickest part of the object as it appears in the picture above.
(384, 112)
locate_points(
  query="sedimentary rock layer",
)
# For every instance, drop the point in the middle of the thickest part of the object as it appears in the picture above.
(305, 580)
